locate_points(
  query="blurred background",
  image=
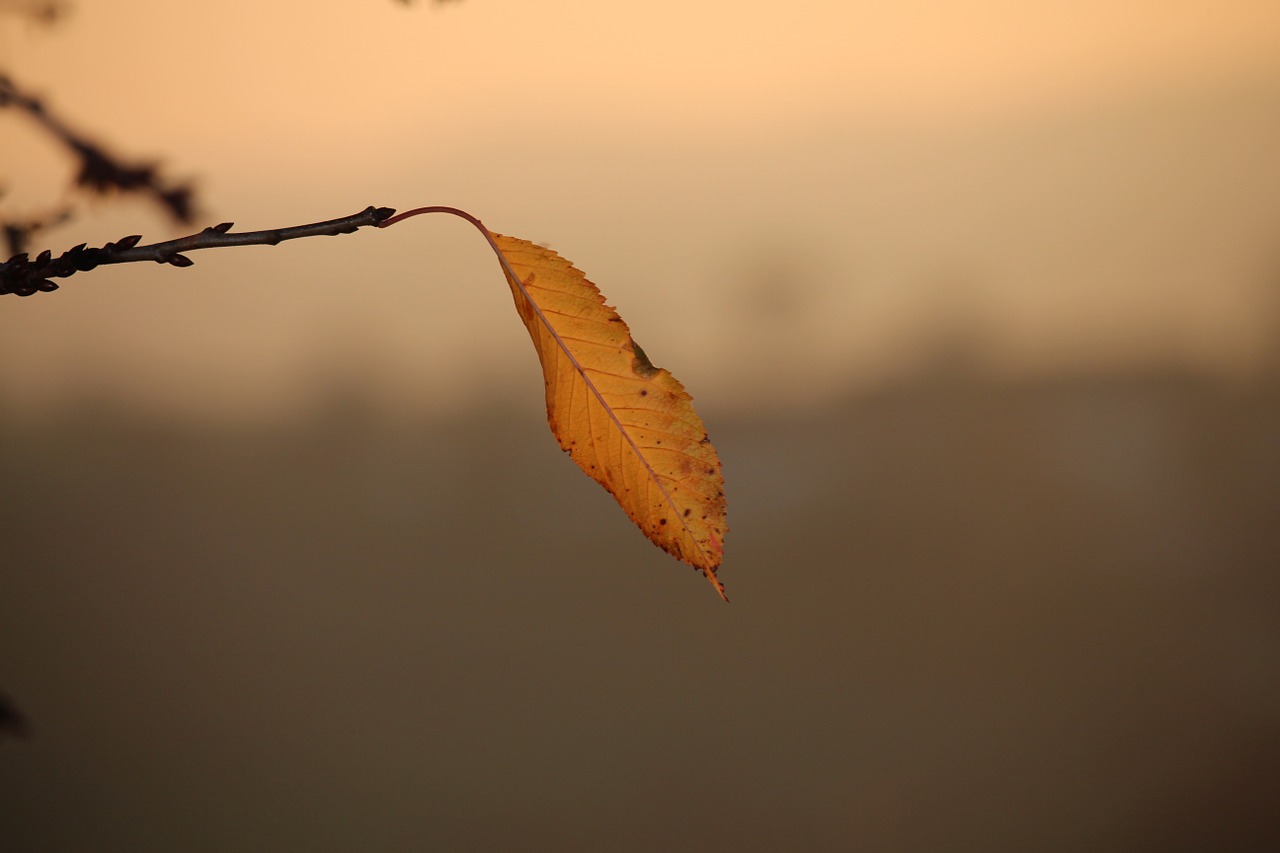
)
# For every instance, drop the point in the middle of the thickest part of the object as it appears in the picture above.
(980, 302)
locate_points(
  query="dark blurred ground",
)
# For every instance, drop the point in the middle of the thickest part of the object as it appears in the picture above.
(967, 615)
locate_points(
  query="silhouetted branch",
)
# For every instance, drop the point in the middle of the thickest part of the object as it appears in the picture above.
(24, 277)
(11, 720)
(17, 234)
(47, 12)
(99, 171)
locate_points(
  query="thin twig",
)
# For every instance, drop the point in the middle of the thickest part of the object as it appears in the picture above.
(19, 233)
(99, 170)
(11, 720)
(47, 12)
(24, 277)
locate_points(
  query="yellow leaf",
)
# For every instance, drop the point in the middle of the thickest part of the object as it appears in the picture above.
(629, 425)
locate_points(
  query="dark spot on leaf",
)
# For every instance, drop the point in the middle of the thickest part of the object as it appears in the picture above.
(686, 512)
(662, 521)
(640, 364)
(644, 393)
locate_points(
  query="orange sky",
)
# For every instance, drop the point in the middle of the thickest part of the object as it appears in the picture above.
(817, 191)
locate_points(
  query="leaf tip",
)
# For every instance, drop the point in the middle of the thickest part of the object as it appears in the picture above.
(711, 576)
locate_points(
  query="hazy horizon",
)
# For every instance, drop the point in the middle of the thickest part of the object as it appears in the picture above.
(1063, 189)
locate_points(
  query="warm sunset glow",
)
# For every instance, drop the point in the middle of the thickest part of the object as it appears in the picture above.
(1083, 180)
(979, 306)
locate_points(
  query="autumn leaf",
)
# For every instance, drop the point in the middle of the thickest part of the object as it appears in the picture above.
(626, 423)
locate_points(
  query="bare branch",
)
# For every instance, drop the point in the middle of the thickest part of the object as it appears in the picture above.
(47, 12)
(24, 277)
(11, 720)
(99, 171)
(18, 233)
